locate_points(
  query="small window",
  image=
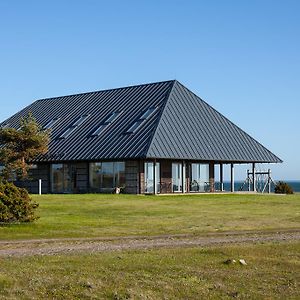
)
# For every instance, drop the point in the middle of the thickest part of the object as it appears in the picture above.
(5, 125)
(99, 129)
(69, 130)
(51, 123)
(146, 114)
(80, 120)
(135, 126)
(111, 118)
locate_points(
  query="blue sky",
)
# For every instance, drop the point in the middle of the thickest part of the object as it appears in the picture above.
(242, 57)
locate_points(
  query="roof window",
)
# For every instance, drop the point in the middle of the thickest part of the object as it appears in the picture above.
(71, 128)
(5, 125)
(51, 123)
(145, 115)
(110, 119)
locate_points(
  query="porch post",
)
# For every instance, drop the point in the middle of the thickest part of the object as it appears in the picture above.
(221, 178)
(154, 177)
(232, 177)
(182, 177)
(254, 179)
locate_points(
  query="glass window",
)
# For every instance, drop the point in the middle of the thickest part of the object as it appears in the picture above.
(80, 120)
(112, 117)
(148, 113)
(141, 119)
(63, 178)
(108, 175)
(199, 177)
(50, 123)
(104, 176)
(67, 132)
(177, 177)
(134, 126)
(149, 177)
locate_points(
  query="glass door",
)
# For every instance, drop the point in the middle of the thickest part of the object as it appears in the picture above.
(177, 177)
(151, 186)
(63, 178)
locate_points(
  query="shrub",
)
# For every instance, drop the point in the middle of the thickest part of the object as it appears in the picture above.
(15, 204)
(283, 188)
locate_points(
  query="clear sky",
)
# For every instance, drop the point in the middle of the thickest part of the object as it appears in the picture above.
(242, 57)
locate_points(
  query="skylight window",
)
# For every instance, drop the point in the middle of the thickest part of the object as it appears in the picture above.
(51, 123)
(111, 118)
(70, 129)
(146, 115)
(80, 120)
(5, 125)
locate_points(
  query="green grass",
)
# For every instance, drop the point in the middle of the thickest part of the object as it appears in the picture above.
(190, 273)
(96, 215)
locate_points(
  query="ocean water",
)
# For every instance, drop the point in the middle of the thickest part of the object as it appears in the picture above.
(294, 184)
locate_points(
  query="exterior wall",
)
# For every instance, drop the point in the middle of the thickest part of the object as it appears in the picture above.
(82, 178)
(132, 175)
(42, 171)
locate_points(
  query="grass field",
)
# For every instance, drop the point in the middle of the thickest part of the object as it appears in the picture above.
(96, 215)
(272, 272)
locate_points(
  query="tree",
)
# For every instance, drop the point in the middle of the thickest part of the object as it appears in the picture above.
(20, 146)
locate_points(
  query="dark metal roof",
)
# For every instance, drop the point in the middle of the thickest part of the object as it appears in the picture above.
(181, 127)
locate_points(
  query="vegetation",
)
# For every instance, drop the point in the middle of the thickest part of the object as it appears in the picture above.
(283, 188)
(15, 204)
(96, 215)
(20, 146)
(272, 272)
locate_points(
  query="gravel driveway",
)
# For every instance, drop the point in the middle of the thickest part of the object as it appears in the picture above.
(90, 245)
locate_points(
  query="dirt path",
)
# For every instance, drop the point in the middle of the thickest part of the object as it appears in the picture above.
(86, 245)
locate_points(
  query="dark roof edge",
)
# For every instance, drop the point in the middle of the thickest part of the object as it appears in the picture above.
(279, 160)
(106, 90)
(168, 96)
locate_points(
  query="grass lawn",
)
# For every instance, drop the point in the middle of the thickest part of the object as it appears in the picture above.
(96, 215)
(273, 272)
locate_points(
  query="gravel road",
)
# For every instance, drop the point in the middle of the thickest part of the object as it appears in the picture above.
(91, 245)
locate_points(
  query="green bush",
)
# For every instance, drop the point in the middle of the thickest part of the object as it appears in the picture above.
(283, 188)
(15, 204)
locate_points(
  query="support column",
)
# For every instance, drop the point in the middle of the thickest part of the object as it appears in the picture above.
(232, 177)
(211, 177)
(269, 181)
(182, 177)
(253, 177)
(221, 178)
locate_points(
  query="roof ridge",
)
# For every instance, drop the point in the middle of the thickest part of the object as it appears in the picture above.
(160, 117)
(107, 90)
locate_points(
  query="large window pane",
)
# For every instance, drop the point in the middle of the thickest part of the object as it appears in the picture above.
(199, 177)
(149, 177)
(105, 176)
(108, 175)
(57, 178)
(95, 176)
(119, 170)
(149, 174)
(176, 177)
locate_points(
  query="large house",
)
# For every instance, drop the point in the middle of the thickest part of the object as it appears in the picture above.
(150, 138)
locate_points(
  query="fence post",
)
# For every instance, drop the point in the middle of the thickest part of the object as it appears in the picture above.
(40, 186)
